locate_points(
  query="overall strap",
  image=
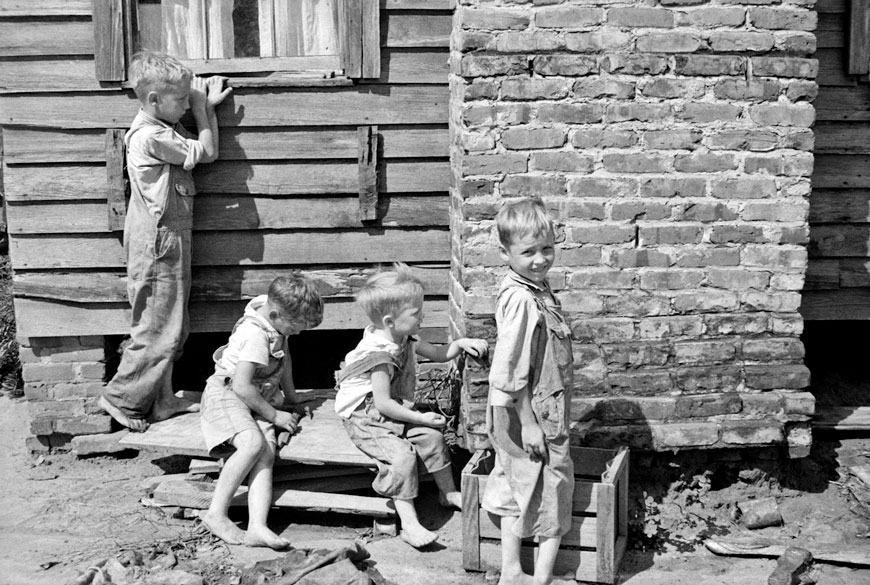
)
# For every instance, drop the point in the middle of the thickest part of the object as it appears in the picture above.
(365, 364)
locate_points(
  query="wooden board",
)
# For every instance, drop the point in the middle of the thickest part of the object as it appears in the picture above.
(244, 248)
(832, 69)
(841, 171)
(822, 274)
(30, 146)
(38, 318)
(839, 206)
(321, 438)
(53, 38)
(18, 8)
(842, 137)
(369, 104)
(842, 418)
(49, 75)
(840, 240)
(416, 30)
(77, 182)
(842, 104)
(239, 213)
(210, 284)
(197, 495)
(845, 304)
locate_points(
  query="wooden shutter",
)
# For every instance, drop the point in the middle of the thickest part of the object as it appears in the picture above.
(859, 38)
(110, 28)
(360, 31)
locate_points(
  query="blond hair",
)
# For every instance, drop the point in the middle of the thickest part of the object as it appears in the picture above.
(150, 71)
(298, 298)
(386, 292)
(522, 218)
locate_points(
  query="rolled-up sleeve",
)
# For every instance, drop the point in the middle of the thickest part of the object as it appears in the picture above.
(516, 317)
(175, 148)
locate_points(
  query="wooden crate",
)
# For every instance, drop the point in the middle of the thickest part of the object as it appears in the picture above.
(590, 551)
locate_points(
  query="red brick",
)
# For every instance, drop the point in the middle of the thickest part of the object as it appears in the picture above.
(736, 234)
(773, 349)
(669, 234)
(736, 324)
(603, 138)
(524, 138)
(564, 65)
(661, 327)
(776, 301)
(639, 209)
(772, 377)
(710, 65)
(706, 256)
(698, 379)
(567, 17)
(527, 42)
(640, 383)
(488, 164)
(682, 139)
(752, 432)
(529, 185)
(706, 212)
(636, 304)
(669, 187)
(525, 88)
(570, 113)
(712, 17)
(601, 278)
(638, 162)
(710, 404)
(799, 43)
(604, 87)
(671, 279)
(600, 233)
(705, 162)
(671, 42)
(783, 115)
(708, 301)
(753, 91)
(802, 91)
(740, 41)
(671, 436)
(636, 354)
(643, 112)
(673, 88)
(781, 19)
(602, 330)
(705, 113)
(568, 162)
(597, 41)
(634, 64)
(753, 140)
(489, 65)
(639, 257)
(602, 187)
(738, 278)
(705, 352)
(785, 67)
(740, 188)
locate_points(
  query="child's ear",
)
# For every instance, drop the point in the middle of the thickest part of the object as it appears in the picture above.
(388, 321)
(273, 316)
(153, 98)
(502, 251)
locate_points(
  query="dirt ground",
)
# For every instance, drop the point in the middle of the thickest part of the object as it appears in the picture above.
(62, 514)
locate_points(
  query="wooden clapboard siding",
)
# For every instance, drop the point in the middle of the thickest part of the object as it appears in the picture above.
(36, 318)
(221, 212)
(30, 146)
(211, 283)
(243, 248)
(368, 104)
(19, 8)
(75, 182)
(281, 197)
(837, 281)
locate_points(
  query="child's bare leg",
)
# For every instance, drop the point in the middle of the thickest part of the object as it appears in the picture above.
(248, 445)
(511, 570)
(449, 495)
(167, 404)
(136, 425)
(259, 502)
(548, 548)
(412, 531)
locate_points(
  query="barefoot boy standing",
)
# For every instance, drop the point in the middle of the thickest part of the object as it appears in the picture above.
(241, 405)
(532, 483)
(157, 232)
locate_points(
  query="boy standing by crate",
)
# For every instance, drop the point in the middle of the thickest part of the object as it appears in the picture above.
(243, 400)
(532, 482)
(157, 232)
(375, 397)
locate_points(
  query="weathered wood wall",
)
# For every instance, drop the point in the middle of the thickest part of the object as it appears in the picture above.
(283, 194)
(838, 276)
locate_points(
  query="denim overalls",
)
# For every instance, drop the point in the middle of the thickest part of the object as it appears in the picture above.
(158, 288)
(539, 494)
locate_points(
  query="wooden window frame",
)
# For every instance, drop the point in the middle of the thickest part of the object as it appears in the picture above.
(359, 55)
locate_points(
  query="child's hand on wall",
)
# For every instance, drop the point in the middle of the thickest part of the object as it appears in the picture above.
(197, 92)
(215, 90)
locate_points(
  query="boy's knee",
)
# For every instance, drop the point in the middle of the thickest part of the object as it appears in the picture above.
(250, 443)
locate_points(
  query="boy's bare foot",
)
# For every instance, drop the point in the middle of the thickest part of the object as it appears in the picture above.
(168, 407)
(451, 499)
(223, 528)
(136, 425)
(515, 578)
(417, 536)
(262, 536)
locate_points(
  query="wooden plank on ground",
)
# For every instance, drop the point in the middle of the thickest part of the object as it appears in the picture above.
(19, 8)
(198, 494)
(220, 212)
(33, 318)
(210, 283)
(845, 304)
(28, 146)
(350, 106)
(416, 29)
(54, 38)
(244, 248)
(320, 440)
(77, 182)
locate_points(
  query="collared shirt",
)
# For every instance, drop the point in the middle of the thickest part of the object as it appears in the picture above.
(352, 391)
(251, 342)
(517, 317)
(152, 146)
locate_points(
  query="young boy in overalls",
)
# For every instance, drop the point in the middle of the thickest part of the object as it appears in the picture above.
(252, 381)
(375, 397)
(532, 482)
(157, 230)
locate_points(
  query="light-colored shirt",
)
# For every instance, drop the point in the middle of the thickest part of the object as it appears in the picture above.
(152, 146)
(252, 343)
(352, 391)
(516, 316)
